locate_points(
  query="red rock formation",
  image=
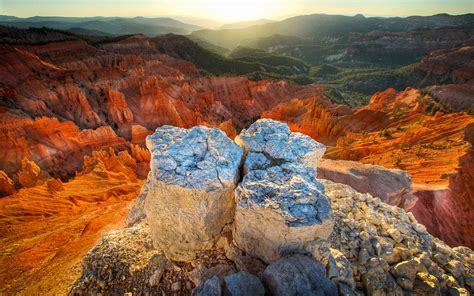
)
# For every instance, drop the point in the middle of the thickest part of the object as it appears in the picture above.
(30, 174)
(447, 210)
(228, 128)
(47, 229)
(393, 131)
(57, 147)
(456, 65)
(7, 186)
(113, 90)
(392, 186)
(139, 134)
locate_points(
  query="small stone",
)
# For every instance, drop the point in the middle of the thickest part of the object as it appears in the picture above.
(404, 253)
(189, 285)
(211, 287)
(363, 256)
(426, 284)
(455, 267)
(297, 275)
(243, 283)
(405, 273)
(395, 234)
(176, 286)
(339, 269)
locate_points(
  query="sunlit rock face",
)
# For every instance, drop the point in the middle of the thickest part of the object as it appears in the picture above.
(190, 188)
(391, 185)
(281, 207)
(268, 142)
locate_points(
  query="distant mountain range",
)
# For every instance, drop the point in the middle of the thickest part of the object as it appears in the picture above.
(246, 24)
(104, 25)
(323, 28)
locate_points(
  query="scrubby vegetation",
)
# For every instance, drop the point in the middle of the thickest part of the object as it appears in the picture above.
(38, 36)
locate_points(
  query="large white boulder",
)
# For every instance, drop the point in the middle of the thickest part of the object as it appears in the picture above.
(268, 142)
(191, 186)
(281, 207)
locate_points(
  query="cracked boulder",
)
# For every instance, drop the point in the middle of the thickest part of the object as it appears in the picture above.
(268, 142)
(190, 188)
(281, 207)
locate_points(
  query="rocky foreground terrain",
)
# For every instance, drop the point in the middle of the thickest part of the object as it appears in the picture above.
(255, 220)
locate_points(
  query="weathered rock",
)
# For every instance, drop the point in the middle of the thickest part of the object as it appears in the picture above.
(191, 183)
(297, 275)
(281, 207)
(392, 186)
(378, 282)
(339, 269)
(201, 273)
(123, 260)
(268, 142)
(243, 283)
(7, 186)
(405, 273)
(30, 174)
(211, 287)
(388, 252)
(279, 210)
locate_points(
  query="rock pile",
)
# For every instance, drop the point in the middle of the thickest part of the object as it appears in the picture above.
(283, 238)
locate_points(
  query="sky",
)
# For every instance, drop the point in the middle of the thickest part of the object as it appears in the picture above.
(231, 10)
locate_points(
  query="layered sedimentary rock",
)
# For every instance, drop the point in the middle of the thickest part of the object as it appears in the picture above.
(391, 185)
(190, 197)
(48, 228)
(400, 130)
(56, 147)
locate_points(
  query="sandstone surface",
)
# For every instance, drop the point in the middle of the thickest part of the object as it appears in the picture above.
(391, 185)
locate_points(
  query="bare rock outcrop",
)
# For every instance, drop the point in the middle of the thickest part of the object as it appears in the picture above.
(30, 174)
(237, 284)
(369, 248)
(7, 186)
(279, 210)
(190, 188)
(391, 185)
(281, 207)
(268, 142)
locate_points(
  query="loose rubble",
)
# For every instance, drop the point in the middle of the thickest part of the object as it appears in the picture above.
(370, 247)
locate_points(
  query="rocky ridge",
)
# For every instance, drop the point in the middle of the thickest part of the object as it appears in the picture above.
(401, 130)
(373, 248)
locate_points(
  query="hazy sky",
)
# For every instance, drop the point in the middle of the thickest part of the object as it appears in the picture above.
(231, 10)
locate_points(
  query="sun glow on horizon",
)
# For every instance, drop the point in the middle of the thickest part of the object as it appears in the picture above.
(230, 10)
